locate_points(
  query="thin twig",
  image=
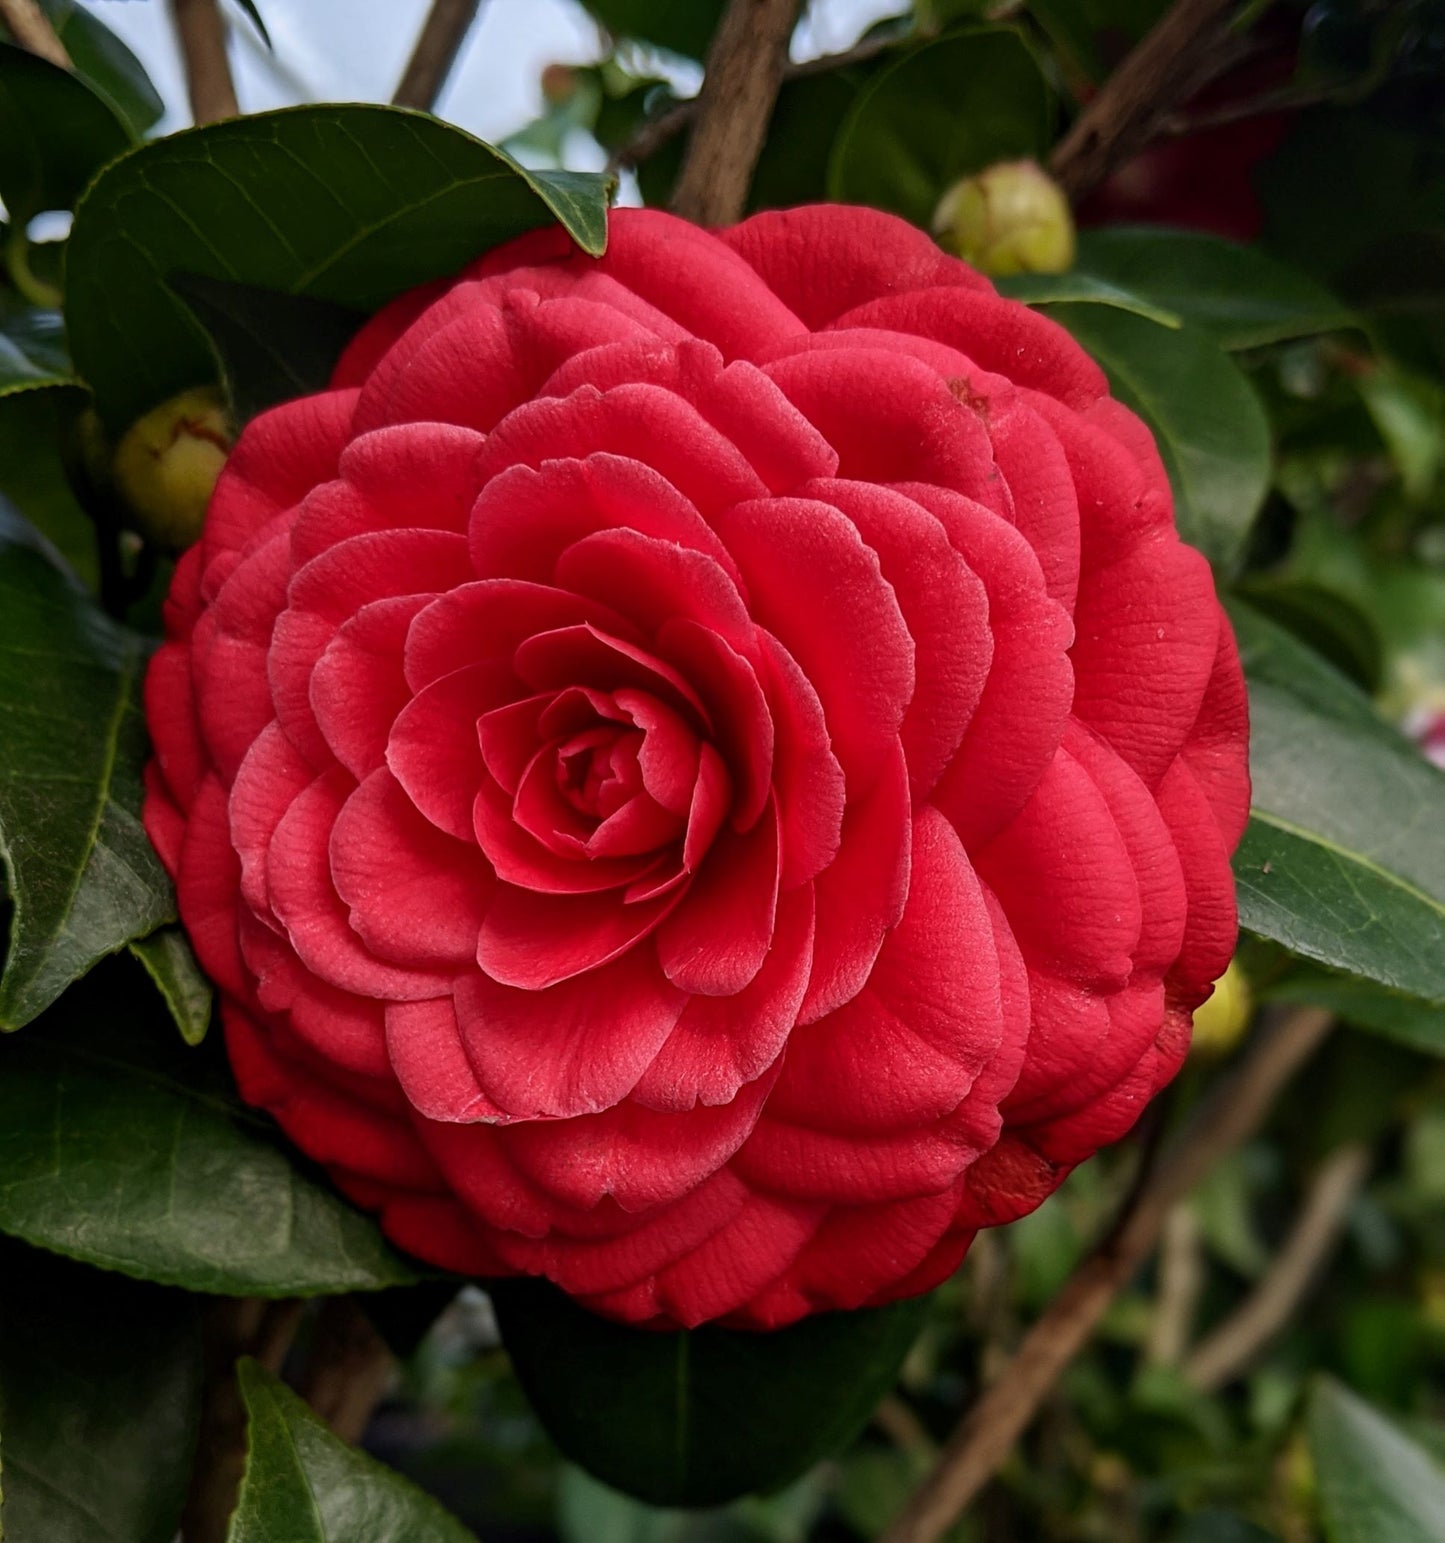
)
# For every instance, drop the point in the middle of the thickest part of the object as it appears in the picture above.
(437, 46)
(1181, 1283)
(30, 27)
(1188, 46)
(1230, 1115)
(202, 33)
(659, 131)
(1287, 99)
(743, 73)
(1227, 1352)
(904, 1429)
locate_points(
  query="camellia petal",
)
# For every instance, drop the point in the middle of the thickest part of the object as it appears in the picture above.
(706, 774)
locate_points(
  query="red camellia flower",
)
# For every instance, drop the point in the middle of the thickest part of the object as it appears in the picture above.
(707, 775)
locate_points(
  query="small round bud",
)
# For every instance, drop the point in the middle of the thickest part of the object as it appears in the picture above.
(559, 84)
(167, 463)
(1010, 218)
(1220, 1022)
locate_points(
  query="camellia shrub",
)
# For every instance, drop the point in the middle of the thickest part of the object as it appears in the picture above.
(615, 819)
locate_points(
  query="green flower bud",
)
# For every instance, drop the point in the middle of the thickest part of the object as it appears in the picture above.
(167, 463)
(1221, 1021)
(1010, 218)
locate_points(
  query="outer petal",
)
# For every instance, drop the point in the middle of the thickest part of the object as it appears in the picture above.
(578, 1048)
(825, 260)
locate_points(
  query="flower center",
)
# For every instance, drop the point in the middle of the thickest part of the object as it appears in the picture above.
(597, 770)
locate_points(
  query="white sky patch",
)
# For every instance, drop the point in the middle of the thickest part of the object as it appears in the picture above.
(355, 50)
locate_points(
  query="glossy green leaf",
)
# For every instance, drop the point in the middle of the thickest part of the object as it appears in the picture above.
(590, 1512)
(303, 1485)
(83, 878)
(1237, 294)
(100, 1386)
(171, 964)
(102, 60)
(1375, 1484)
(1408, 412)
(32, 349)
(699, 1418)
(793, 168)
(55, 134)
(1330, 623)
(1405, 1019)
(34, 424)
(123, 1147)
(1213, 1526)
(1342, 862)
(347, 203)
(1084, 289)
(1207, 421)
(682, 26)
(948, 108)
(271, 346)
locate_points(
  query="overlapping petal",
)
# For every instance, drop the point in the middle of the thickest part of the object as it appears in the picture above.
(706, 774)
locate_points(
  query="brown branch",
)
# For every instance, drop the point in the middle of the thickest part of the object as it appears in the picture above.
(233, 1327)
(30, 27)
(1182, 1278)
(1236, 1108)
(1227, 1352)
(202, 33)
(437, 46)
(348, 1368)
(904, 1429)
(1286, 100)
(744, 71)
(664, 128)
(1187, 48)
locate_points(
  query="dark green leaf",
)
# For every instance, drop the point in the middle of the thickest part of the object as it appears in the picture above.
(1392, 1014)
(1329, 622)
(590, 1512)
(683, 26)
(945, 110)
(793, 168)
(169, 962)
(1207, 420)
(1408, 412)
(32, 349)
(271, 346)
(1356, 197)
(1375, 1484)
(1071, 27)
(351, 204)
(34, 425)
(1241, 297)
(1341, 162)
(123, 1147)
(1220, 1527)
(55, 134)
(304, 1485)
(1057, 288)
(1342, 862)
(107, 64)
(703, 1417)
(100, 1383)
(84, 880)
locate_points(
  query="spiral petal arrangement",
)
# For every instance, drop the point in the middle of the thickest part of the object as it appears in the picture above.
(706, 774)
